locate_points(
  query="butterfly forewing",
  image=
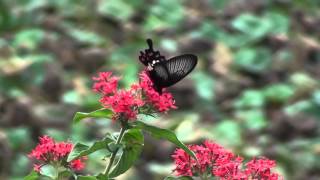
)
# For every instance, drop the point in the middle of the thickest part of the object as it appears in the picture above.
(178, 67)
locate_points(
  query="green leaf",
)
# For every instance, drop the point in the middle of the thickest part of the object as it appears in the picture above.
(118, 9)
(86, 37)
(253, 59)
(100, 113)
(228, 132)
(250, 99)
(279, 92)
(102, 177)
(29, 38)
(303, 81)
(86, 178)
(178, 178)
(254, 119)
(163, 133)
(64, 174)
(204, 85)
(280, 23)
(133, 140)
(80, 150)
(253, 26)
(49, 171)
(32, 176)
(159, 18)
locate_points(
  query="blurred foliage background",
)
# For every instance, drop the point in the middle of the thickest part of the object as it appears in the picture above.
(255, 89)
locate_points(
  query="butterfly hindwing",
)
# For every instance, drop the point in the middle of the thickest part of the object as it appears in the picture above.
(179, 67)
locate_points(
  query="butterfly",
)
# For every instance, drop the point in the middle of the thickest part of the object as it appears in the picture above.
(162, 72)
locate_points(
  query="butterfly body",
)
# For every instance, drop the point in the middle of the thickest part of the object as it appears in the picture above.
(163, 72)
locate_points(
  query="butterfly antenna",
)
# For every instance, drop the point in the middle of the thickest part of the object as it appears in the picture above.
(149, 41)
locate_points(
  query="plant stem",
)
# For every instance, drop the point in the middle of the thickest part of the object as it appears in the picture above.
(113, 155)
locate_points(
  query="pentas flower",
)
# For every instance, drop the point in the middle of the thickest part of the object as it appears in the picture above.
(162, 102)
(50, 152)
(105, 83)
(215, 161)
(260, 169)
(128, 103)
(123, 102)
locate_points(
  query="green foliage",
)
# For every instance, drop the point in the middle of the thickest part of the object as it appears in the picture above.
(87, 178)
(279, 92)
(250, 99)
(162, 133)
(178, 178)
(31, 176)
(121, 10)
(254, 60)
(28, 38)
(164, 14)
(133, 143)
(80, 149)
(228, 132)
(204, 85)
(253, 119)
(101, 113)
(86, 37)
(49, 171)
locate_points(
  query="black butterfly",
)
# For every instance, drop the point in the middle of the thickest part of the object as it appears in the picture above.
(165, 73)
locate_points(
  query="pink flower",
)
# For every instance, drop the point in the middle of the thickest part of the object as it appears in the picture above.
(162, 102)
(128, 103)
(184, 163)
(36, 167)
(261, 169)
(214, 160)
(78, 164)
(123, 102)
(105, 83)
(48, 151)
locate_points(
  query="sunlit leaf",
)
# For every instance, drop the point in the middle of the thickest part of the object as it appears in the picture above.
(29, 38)
(249, 99)
(133, 140)
(86, 37)
(159, 18)
(280, 22)
(118, 9)
(164, 134)
(253, 60)
(278, 92)
(251, 25)
(49, 171)
(32, 176)
(86, 178)
(178, 178)
(204, 85)
(228, 133)
(101, 113)
(253, 119)
(80, 149)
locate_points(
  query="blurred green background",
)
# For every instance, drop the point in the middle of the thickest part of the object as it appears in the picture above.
(255, 89)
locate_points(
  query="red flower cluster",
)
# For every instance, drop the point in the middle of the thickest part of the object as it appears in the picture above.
(123, 102)
(216, 161)
(162, 102)
(48, 151)
(129, 102)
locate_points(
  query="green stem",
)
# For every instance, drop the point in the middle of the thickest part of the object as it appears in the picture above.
(113, 155)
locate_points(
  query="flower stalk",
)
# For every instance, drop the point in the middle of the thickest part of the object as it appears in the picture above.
(114, 153)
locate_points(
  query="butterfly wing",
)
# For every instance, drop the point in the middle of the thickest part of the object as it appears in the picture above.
(179, 67)
(167, 73)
